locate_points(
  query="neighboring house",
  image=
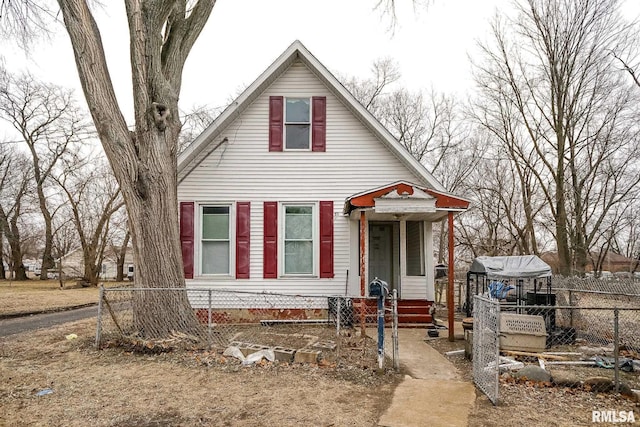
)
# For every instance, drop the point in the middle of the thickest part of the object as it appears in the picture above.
(609, 263)
(296, 188)
(73, 264)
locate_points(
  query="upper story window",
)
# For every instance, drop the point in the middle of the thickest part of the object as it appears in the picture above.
(215, 240)
(297, 123)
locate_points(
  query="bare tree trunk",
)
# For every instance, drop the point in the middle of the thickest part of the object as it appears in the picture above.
(3, 273)
(144, 161)
(19, 271)
(121, 255)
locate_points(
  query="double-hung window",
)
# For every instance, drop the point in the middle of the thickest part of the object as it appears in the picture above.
(299, 236)
(297, 123)
(215, 240)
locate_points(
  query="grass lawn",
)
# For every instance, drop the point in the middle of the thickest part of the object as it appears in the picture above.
(43, 295)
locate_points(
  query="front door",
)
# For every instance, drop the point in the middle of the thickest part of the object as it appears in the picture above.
(384, 253)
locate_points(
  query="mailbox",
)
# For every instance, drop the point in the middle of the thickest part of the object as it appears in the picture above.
(378, 288)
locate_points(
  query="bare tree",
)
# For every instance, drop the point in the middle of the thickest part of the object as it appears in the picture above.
(15, 177)
(93, 198)
(195, 122)
(162, 34)
(121, 253)
(372, 92)
(49, 122)
(430, 125)
(552, 70)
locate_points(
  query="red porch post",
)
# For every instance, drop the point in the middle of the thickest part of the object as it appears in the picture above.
(362, 254)
(450, 280)
(363, 307)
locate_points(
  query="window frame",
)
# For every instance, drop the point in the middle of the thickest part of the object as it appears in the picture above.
(285, 123)
(231, 239)
(315, 243)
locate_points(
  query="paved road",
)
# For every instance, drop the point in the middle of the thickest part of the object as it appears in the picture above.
(39, 321)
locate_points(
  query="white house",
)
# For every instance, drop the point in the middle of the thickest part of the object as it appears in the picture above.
(72, 264)
(296, 188)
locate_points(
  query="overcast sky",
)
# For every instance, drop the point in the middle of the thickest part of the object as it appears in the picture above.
(431, 45)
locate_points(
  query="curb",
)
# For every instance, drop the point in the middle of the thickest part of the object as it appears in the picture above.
(48, 311)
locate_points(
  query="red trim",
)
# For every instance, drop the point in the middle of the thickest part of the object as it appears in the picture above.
(276, 122)
(363, 252)
(326, 239)
(318, 123)
(366, 200)
(447, 201)
(243, 239)
(186, 237)
(270, 248)
(450, 295)
(443, 201)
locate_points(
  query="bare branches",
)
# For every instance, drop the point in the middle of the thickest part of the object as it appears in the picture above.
(26, 20)
(51, 126)
(553, 99)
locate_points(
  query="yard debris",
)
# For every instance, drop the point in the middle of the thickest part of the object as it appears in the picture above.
(624, 364)
(234, 351)
(505, 364)
(258, 356)
(536, 355)
(533, 373)
(252, 358)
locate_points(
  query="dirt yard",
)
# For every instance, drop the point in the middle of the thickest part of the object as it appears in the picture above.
(44, 295)
(116, 387)
(529, 404)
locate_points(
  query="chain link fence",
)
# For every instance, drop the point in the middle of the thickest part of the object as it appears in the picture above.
(586, 338)
(311, 329)
(485, 334)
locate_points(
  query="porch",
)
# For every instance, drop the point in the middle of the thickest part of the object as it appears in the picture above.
(392, 240)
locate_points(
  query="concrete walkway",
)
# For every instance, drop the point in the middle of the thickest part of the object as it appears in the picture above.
(432, 394)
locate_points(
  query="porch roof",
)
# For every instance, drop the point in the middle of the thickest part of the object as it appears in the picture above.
(403, 197)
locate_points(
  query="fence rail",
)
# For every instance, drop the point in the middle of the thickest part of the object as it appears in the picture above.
(587, 339)
(306, 328)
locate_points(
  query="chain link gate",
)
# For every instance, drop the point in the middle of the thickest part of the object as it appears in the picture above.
(486, 346)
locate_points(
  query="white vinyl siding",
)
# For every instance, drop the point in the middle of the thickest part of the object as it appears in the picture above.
(244, 169)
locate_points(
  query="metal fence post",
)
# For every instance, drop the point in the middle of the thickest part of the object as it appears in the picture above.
(394, 334)
(209, 318)
(338, 315)
(571, 309)
(99, 326)
(616, 349)
(381, 329)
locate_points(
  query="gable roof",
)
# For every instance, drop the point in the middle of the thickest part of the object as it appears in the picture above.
(209, 139)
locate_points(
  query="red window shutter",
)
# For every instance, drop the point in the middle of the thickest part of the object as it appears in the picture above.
(270, 240)
(319, 123)
(243, 239)
(186, 237)
(326, 239)
(276, 122)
